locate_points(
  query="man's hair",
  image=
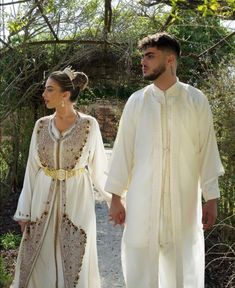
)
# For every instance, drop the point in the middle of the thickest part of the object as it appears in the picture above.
(161, 41)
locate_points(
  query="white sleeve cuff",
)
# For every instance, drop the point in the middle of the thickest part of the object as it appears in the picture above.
(211, 190)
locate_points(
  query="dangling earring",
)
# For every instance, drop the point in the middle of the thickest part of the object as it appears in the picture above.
(62, 103)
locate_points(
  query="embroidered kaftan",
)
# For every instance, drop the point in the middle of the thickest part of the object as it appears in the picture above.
(58, 249)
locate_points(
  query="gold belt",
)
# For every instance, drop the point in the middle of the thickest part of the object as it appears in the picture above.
(62, 174)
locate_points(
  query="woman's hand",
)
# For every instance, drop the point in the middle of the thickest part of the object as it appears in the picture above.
(22, 225)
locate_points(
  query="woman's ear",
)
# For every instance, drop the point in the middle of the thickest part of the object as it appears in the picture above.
(66, 95)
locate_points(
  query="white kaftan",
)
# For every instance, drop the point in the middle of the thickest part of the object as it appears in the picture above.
(165, 154)
(58, 249)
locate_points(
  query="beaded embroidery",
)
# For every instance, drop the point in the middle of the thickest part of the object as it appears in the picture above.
(31, 242)
(73, 243)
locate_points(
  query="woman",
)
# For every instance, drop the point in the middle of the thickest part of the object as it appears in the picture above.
(56, 206)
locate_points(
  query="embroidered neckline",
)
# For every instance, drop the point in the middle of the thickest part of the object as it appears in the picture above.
(66, 132)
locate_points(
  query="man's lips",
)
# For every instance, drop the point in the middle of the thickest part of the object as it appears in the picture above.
(144, 69)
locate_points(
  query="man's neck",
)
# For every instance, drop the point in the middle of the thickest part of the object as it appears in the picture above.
(165, 83)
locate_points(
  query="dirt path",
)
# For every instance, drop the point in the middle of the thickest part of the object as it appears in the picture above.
(108, 242)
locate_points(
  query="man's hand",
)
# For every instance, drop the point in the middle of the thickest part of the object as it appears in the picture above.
(117, 212)
(209, 214)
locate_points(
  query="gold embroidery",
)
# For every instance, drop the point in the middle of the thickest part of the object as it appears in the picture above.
(71, 145)
(31, 242)
(73, 243)
(29, 247)
(74, 144)
(45, 144)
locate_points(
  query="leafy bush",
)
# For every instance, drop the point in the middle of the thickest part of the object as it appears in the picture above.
(10, 241)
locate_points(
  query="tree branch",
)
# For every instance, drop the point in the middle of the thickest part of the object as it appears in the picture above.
(46, 20)
(92, 42)
(168, 20)
(193, 5)
(5, 43)
(217, 44)
(107, 15)
(16, 2)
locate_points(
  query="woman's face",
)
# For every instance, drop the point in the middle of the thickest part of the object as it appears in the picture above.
(52, 95)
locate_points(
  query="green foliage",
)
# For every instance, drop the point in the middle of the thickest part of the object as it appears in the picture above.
(10, 241)
(206, 8)
(5, 278)
(220, 90)
(196, 35)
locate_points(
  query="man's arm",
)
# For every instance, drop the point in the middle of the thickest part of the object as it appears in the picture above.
(210, 165)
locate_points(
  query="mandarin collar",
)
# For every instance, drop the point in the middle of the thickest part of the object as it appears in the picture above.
(171, 91)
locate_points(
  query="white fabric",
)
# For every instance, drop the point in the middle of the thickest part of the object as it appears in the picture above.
(137, 267)
(185, 157)
(79, 207)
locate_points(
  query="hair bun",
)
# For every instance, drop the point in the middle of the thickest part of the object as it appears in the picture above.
(81, 80)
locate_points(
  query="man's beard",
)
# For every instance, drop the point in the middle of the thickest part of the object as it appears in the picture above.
(156, 73)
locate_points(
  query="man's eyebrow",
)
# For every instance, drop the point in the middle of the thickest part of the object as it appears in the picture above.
(149, 53)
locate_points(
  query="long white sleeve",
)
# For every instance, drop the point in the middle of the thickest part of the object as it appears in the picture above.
(98, 164)
(210, 164)
(122, 157)
(24, 204)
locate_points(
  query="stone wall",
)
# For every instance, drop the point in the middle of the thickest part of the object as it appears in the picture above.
(107, 113)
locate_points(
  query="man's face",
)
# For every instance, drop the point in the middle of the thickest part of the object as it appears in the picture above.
(153, 63)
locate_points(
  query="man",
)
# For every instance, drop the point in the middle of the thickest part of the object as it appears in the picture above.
(165, 147)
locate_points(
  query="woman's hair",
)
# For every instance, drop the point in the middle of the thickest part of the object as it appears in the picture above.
(70, 80)
(162, 41)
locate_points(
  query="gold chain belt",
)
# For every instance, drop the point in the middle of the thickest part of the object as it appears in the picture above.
(61, 174)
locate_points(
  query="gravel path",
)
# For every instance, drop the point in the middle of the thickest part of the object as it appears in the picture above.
(109, 255)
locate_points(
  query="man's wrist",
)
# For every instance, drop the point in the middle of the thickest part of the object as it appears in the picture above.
(212, 201)
(116, 197)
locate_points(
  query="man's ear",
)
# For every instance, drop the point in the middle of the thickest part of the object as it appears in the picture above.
(171, 59)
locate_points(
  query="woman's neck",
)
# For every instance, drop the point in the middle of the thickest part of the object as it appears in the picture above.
(66, 112)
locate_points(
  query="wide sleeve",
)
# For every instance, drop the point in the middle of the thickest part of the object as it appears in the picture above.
(24, 204)
(210, 164)
(98, 163)
(122, 156)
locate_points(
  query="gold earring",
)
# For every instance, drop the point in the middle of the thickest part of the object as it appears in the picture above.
(62, 103)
